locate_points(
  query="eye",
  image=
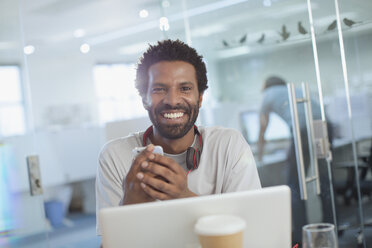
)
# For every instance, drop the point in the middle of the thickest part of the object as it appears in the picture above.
(186, 88)
(158, 89)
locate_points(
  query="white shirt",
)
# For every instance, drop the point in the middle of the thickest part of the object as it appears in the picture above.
(226, 165)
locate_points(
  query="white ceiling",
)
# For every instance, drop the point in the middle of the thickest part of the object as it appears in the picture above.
(113, 26)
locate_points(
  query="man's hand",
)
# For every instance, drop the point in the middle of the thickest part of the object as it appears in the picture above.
(133, 192)
(169, 182)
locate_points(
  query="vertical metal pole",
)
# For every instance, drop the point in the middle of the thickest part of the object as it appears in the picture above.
(346, 80)
(186, 22)
(297, 140)
(316, 59)
(310, 134)
(332, 194)
(28, 107)
(319, 83)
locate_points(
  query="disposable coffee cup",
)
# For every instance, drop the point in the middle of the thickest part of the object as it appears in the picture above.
(220, 231)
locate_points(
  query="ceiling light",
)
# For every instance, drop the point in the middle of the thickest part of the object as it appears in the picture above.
(267, 3)
(163, 20)
(84, 48)
(143, 13)
(164, 23)
(165, 4)
(78, 33)
(29, 49)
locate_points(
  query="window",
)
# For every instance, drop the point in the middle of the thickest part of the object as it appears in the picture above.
(117, 95)
(12, 113)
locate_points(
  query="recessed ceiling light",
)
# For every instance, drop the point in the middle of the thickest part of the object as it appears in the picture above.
(78, 33)
(29, 49)
(165, 3)
(164, 23)
(143, 13)
(85, 48)
(267, 3)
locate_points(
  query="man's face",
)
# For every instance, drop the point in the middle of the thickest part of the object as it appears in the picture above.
(172, 99)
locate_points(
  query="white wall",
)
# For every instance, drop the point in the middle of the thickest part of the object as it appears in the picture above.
(61, 82)
(65, 156)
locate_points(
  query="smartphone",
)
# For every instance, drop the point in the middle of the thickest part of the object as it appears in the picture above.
(138, 150)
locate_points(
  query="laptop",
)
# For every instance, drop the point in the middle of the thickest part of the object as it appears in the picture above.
(170, 224)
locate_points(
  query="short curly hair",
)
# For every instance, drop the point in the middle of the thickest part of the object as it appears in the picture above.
(170, 50)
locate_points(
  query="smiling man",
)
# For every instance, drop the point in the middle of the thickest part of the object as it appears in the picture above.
(171, 79)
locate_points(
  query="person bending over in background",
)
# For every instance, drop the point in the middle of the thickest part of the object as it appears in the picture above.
(171, 79)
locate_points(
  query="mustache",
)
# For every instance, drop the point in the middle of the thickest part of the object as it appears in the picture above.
(164, 107)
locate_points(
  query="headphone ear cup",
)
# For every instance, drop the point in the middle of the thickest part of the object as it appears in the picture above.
(190, 158)
(197, 159)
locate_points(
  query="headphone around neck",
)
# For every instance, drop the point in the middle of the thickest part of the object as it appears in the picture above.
(192, 154)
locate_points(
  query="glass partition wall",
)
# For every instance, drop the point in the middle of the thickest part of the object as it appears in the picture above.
(77, 64)
(245, 42)
(354, 33)
(21, 202)
(261, 42)
(77, 61)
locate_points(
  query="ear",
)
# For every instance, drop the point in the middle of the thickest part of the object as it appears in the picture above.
(200, 99)
(145, 103)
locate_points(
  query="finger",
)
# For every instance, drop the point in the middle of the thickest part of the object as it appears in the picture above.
(144, 155)
(167, 162)
(156, 183)
(159, 170)
(154, 193)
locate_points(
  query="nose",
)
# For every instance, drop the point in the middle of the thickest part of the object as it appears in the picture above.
(172, 98)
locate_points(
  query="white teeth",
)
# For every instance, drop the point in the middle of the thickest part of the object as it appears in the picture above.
(173, 115)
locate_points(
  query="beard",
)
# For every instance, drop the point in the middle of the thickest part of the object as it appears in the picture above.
(175, 131)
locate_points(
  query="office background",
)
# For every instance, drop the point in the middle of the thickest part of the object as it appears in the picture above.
(66, 87)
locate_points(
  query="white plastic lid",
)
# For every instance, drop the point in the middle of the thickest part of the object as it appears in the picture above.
(213, 225)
